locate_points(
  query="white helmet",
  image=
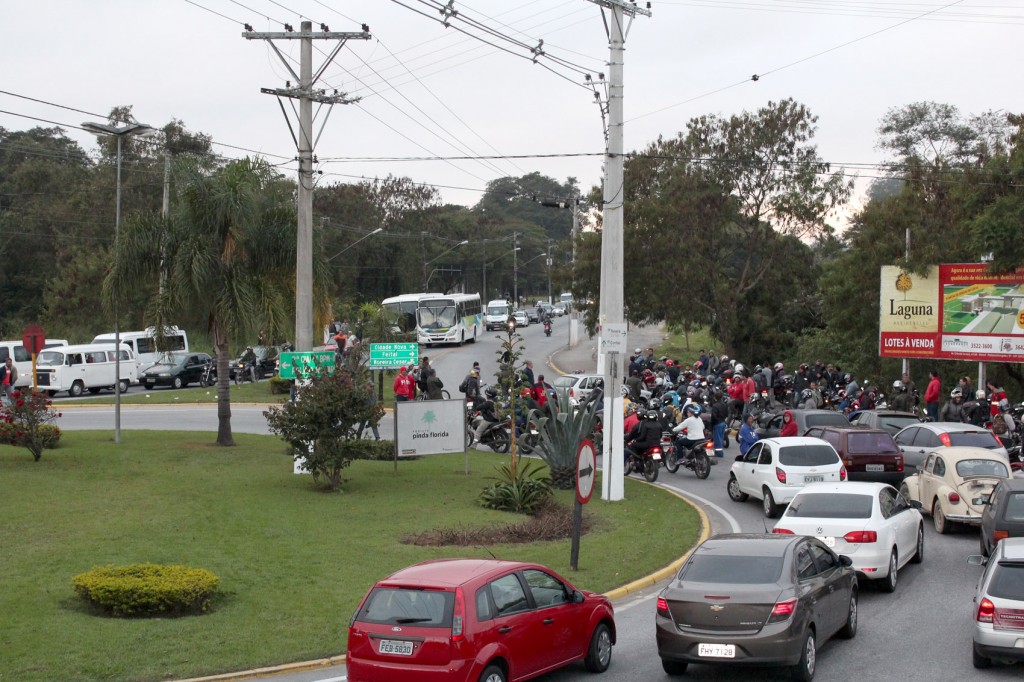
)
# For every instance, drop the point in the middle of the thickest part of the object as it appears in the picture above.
(738, 368)
(980, 394)
(898, 386)
(778, 366)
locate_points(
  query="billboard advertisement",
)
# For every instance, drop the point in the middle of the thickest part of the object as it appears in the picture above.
(952, 312)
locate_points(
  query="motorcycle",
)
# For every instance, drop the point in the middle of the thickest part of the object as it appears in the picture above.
(547, 328)
(697, 459)
(245, 371)
(646, 463)
(496, 436)
(209, 375)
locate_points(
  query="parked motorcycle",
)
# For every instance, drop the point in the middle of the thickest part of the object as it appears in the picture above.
(209, 375)
(646, 463)
(697, 459)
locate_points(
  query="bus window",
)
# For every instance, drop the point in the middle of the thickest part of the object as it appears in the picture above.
(75, 359)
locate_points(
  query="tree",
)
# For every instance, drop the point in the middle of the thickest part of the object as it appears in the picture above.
(227, 255)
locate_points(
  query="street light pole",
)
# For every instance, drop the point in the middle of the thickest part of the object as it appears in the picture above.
(426, 263)
(129, 129)
(486, 265)
(365, 236)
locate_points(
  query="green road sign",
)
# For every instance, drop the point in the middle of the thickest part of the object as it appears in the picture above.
(393, 355)
(305, 361)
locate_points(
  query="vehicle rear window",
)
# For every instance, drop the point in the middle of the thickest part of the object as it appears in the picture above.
(980, 467)
(1008, 582)
(807, 456)
(861, 443)
(897, 422)
(975, 439)
(831, 506)
(1014, 507)
(830, 419)
(706, 567)
(399, 606)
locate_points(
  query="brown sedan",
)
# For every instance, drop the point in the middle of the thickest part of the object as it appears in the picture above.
(747, 599)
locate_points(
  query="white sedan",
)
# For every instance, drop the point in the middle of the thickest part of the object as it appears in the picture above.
(522, 320)
(872, 523)
(774, 469)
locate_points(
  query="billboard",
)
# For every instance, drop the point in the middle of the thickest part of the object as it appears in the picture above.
(952, 312)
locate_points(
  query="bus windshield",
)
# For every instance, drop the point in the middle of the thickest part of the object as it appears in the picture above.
(436, 314)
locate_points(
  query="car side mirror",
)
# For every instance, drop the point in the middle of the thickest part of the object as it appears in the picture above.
(976, 560)
(845, 560)
(578, 597)
(915, 504)
(739, 458)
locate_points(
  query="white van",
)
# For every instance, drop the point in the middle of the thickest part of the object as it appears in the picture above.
(86, 367)
(496, 315)
(143, 345)
(23, 359)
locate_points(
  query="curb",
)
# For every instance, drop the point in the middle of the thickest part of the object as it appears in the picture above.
(271, 670)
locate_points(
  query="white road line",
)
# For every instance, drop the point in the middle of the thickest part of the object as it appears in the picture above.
(708, 503)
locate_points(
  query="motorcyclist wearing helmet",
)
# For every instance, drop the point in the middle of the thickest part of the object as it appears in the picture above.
(634, 384)
(646, 434)
(691, 432)
(801, 380)
(631, 419)
(977, 412)
(486, 416)
(807, 399)
(953, 410)
(1003, 425)
(902, 401)
(719, 417)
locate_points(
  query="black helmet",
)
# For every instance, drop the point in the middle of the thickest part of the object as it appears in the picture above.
(652, 415)
(491, 392)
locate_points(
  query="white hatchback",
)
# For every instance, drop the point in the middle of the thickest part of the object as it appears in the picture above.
(872, 523)
(775, 469)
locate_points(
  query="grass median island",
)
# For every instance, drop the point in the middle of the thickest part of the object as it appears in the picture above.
(293, 561)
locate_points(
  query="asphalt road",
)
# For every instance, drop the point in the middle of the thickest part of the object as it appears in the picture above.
(922, 632)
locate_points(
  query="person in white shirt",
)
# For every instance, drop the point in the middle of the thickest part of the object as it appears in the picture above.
(692, 429)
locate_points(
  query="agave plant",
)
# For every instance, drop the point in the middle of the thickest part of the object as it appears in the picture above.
(561, 435)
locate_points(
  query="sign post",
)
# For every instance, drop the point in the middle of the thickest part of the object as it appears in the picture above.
(586, 473)
(33, 339)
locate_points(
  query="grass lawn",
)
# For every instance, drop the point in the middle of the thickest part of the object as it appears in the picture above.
(679, 346)
(293, 561)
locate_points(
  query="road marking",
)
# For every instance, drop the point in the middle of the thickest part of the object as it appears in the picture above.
(708, 503)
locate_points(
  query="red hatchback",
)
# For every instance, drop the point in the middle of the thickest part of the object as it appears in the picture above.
(475, 620)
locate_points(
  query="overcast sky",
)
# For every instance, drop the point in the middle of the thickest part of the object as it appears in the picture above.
(430, 91)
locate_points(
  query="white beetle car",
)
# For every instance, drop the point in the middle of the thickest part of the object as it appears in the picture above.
(872, 523)
(775, 469)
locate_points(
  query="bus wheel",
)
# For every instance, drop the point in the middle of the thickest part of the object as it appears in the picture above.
(76, 389)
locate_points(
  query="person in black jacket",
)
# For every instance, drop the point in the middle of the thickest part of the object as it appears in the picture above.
(719, 416)
(646, 434)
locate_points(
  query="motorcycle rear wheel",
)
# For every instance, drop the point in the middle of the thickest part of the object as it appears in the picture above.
(499, 445)
(671, 459)
(629, 466)
(701, 465)
(651, 470)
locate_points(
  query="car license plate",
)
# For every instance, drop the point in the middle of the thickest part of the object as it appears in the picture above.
(392, 646)
(828, 540)
(716, 650)
(874, 467)
(814, 479)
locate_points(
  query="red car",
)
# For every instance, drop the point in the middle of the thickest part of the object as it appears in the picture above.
(482, 620)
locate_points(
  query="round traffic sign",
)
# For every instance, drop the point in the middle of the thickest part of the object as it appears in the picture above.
(586, 470)
(33, 338)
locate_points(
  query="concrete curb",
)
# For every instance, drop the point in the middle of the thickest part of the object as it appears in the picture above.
(271, 670)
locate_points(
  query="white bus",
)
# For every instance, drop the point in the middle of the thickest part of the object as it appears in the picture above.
(86, 367)
(143, 345)
(497, 314)
(449, 318)
(23, 359)
(404, 306)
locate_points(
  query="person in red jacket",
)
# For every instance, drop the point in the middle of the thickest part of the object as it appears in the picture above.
(788, 425)
(405, 386)
(931, 395)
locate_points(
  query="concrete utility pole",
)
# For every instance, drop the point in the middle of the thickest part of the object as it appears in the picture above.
(515, 270)
(304, 143)
(574, 315)
(611, 318)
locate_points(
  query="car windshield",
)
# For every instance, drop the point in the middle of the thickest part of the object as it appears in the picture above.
(827, 419)
(976, 439)
(497, 310)
(870, 442)
(396, 606)
(50, 359)
(808, 456)
(709, 567)
(831, 506)
(980, 467)
(1008, 582)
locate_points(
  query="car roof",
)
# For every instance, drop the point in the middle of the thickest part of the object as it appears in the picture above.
(958, 452)
(752, 544)
(848, 487)
(852, 428)
(1011, 548)
(1014, 484)
(451, 572)
(948, 427)
(790, 441)
(890, 413)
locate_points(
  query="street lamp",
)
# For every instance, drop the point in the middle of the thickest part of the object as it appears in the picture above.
(119, 133)
(426, 278)
(492, 263)
(365, 236)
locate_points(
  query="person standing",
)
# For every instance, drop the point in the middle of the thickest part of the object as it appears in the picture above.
(371, 401)
(748, 436)
(528, 379)
(8, 378)
(931, 395)
(404, 386)
(433, 385)
(719, 415)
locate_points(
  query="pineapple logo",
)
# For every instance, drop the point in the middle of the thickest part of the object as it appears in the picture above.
(429, 417)
(904, 284)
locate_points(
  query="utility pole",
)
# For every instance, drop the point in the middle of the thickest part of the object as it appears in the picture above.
(574, 316)
(611, 319)
(515, 270)
(165, 211)
(547, 262)
(304, 142)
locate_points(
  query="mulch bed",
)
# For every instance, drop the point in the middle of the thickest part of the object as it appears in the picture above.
(552, 522)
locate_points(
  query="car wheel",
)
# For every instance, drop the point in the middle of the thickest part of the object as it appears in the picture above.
(733, 487)
(771, 510)
(599, 654)
(905, 490)
(492, 673)
(674, 667)
(76, 389)
(889, 584)
(939, 519)
(149, 387)
(804, 670)
(849, 630)
(979, 660)
(123, 386)
(919, 552)
(176, 382)
(51, 393)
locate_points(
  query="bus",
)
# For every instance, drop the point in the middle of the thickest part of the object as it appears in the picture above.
(89, 367)
(404, 308)
(449, 318)
(143, 345)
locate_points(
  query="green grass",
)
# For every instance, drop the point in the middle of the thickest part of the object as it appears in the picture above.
(293, 561)
(675, 346)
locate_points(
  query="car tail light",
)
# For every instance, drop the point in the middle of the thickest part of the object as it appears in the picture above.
(954, 498)
(848, 462)
(842, 473)
(861, 536)
(944, 439)
(986, 611)
(782, 611)
(663, 607)
(780, 474)
(899, 464)
(782, 531)
(458, 613)
(572, 393)
(998, 535)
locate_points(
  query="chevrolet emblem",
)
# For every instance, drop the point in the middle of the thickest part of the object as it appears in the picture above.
(717, 607)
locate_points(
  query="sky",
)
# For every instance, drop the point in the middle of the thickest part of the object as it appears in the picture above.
(431, 91)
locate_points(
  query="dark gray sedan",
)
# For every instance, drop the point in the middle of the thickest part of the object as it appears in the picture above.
(747, 599)
(890, 420)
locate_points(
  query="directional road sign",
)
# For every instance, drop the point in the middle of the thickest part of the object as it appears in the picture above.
(586, 471)
(305, 361)
(393, 355)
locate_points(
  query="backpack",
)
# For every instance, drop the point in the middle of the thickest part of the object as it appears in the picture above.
(464, 386)
(999, 425)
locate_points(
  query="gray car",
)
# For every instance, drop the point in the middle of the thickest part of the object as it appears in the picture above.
(999, 604)
(890, 420)
(804, 419)
(1003, 514)
(918, 441)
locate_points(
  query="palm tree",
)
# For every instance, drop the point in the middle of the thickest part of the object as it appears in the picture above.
(226, 254)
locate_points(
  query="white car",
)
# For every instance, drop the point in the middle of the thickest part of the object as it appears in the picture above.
(522, 319)
(872, 523)
(775, 469)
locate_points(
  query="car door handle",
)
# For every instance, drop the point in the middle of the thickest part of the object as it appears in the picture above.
(814, 600)
(831, 588)
(505, 628)
(549, 621)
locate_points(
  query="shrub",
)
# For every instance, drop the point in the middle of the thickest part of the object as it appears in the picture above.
(147, 589)
(28, 421)
(279, 386)
(522, 489)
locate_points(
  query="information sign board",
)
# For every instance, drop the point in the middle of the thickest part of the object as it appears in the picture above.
(393, 355)
(304, 361)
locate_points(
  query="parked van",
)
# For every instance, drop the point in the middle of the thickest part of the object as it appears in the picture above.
(87, 367)
(497, 314)
(143, 345)
(23, 359)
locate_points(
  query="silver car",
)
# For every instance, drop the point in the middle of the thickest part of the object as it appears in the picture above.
(577, 386)
(919, 440)
(999, 604)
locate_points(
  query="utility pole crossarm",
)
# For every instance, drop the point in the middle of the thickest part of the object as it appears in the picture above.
(294, 35)
(320, 96)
